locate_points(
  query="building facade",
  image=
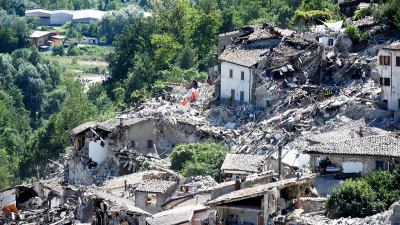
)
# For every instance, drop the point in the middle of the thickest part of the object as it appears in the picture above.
(236, 82)
(389, 71)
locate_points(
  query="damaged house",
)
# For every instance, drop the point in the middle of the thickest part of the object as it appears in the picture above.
(256, 55)
(353, 149)
(328, 33)
(257, 205)
(152, 194)
(118, 146)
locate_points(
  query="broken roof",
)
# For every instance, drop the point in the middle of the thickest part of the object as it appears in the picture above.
(133, 178)
(83, 127)
(393, 46)
(155, 186)
(258, 190)
(377, 145)
(242, 56)
(117, 203)
(174, 216)
(243, 163)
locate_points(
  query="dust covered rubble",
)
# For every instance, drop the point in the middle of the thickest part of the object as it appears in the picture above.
(317, 218)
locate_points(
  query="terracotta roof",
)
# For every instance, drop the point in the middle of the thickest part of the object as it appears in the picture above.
(241, 162)
(155, 186)
(377, 145)
(258, 190)
(37, 34)
(242, 56)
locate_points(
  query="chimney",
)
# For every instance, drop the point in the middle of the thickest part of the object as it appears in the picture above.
(237, 183)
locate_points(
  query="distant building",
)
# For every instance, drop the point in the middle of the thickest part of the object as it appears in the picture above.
(87, 16)
(61, 17)
(90, 41)
(46, 40)
(389, 70)
(42, 15)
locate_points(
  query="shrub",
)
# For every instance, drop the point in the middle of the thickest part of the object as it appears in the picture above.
(58, 50)
(354, 33)
(199, 159)
(353, 198)
(362, 13)
(72, 50)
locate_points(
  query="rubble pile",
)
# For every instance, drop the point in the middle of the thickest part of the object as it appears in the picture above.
(317, 218)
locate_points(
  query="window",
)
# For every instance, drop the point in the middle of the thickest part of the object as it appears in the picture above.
(379, 165)
(241, 97)
(386, 81)
(133, 144)
(233, 94)
(399, 103)
(330, 42)
(385, 104)
(384, 60)
(397, 60)
(231, 73)
(242, 75)
(150, 144)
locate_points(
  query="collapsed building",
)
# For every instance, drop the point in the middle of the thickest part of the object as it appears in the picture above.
(119, 146)
(251, 57)
(299, 91)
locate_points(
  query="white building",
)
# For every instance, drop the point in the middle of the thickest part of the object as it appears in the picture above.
(42, 15)
(238, 73)
(61, 17)
(389, 70)
(87, 16)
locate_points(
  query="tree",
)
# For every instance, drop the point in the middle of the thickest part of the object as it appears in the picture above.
(353, 198)
(5, 176)
(385, 185)
(314, 11)
(135, 39)
(50, 140)
(199, 159)
(14, 33)
(114, 22)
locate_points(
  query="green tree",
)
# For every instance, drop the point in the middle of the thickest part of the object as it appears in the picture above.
(353, 198)
(50, 140)
(135, 39)
(5, 175)
(385, 185)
